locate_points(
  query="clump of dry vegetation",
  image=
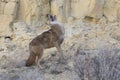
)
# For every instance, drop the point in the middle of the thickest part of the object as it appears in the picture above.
(99, 64)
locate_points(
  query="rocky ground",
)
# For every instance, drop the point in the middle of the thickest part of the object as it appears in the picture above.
(84, 41)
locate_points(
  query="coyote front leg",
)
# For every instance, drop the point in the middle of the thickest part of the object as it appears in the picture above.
(59, 51)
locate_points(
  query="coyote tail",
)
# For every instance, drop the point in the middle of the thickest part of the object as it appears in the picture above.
(31, 60)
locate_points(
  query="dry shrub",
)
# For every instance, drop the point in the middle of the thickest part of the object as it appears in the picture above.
(101, 64)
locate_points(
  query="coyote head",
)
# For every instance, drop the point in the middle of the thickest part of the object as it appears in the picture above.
(51, 17)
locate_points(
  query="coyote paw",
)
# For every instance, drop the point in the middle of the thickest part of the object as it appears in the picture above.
(39, 66)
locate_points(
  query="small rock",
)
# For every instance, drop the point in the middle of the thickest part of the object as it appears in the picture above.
(15, 77)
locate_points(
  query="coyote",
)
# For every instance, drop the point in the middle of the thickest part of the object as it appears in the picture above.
(48, 39)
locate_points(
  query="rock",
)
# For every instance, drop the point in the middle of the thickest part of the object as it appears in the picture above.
(22, 34)
(81, 5)
(111, 10)
(11, 9)
(70, 19)
(2, 5)
(14, 0)
(8, 16)
(57, 9)
(15, 77)
(21, 27)
(67, 75)
(33, 11)
(5, 22)
(116, 34)
(95, 9)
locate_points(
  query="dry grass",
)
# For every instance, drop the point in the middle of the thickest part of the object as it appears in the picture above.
(101, 64)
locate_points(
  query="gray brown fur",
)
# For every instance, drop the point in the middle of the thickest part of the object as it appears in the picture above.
(51, 38)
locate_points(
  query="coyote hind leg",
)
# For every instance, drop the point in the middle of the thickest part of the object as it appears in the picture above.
(39, 55)
(36, 53)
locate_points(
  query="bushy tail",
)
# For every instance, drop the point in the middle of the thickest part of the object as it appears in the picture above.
(31, 60)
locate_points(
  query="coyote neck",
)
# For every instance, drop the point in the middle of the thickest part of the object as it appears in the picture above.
(57, 27)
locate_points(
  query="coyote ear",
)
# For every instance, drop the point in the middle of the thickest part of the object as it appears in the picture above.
(55, 17)
(49, 17)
